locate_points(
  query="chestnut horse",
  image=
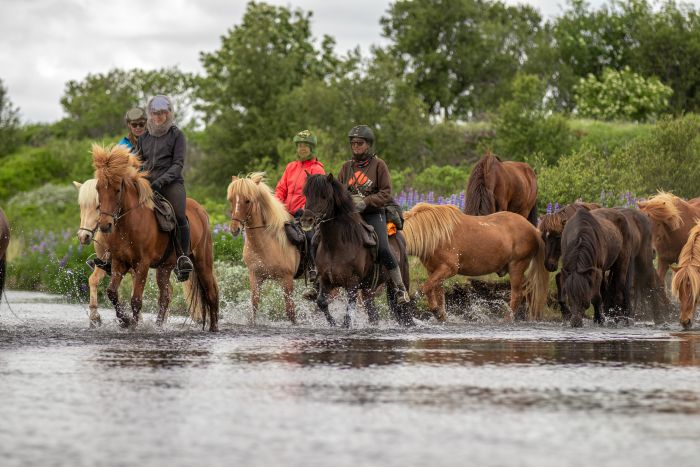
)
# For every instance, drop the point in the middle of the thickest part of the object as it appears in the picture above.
(267, 251)
(4, 242)
(89, 233)
(686, 280)
(502, 186)
(449, 242)
(342, 257)
(671, 220)
(135, 242)
(593, 243)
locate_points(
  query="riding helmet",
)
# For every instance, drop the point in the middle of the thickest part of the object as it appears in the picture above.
(362, 131)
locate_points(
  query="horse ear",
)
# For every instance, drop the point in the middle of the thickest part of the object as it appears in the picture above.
(330, 177)
(233, 178)
(77, 185)
(674, 268)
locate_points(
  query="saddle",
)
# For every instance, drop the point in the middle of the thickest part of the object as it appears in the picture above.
(165, 214)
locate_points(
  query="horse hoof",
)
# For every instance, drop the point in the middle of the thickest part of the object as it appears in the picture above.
(347, 323)
(95, 322)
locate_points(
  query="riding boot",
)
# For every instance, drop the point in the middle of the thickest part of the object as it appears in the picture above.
(184, 263)
(400, 292)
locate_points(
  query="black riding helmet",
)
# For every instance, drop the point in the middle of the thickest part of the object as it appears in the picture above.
(362, 131)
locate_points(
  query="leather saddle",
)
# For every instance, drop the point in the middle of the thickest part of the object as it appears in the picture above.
(165, 214)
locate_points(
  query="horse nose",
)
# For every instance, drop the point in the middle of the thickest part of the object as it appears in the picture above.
(85, 237)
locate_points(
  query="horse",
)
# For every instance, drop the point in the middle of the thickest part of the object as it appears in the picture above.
(267, 252)
(551, 227)
(592, 243)
(343, 256)
(4, 242)
(686, 280)
(89, 233)
(136, 243)
(671, 220)
(449, 242)
(502, 186)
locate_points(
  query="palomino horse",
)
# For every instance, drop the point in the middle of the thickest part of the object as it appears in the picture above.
(502, 186)
(592, 243)
(88, 233)
(449, 242)
(342, 257)
(4, 242)
(671, 221)
(135, 242)
(686, 280)
(267, 251)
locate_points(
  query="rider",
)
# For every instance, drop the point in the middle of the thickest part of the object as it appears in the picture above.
(367, 178)
(289, 189)
(162, 149)
(135, 120)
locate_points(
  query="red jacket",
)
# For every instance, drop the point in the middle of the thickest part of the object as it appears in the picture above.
(289, 188)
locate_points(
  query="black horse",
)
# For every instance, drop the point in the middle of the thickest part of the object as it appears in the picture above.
(344, 254)
(592, 244)
(4, 241)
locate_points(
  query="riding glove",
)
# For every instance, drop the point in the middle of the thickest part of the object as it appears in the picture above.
(359, 202)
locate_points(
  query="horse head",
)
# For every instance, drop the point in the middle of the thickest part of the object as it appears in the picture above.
(326, 199)
(253, 205)
(116, 170)
(89, 213)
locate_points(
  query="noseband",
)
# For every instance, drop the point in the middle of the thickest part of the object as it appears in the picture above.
(117, 214)
(244, 222)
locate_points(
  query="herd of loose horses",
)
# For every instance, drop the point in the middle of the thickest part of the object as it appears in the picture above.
(604, 256)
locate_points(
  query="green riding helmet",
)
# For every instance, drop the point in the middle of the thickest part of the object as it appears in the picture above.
(307, 137)
(362, 131)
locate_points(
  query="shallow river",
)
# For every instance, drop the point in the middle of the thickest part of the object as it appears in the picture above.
(463, 393)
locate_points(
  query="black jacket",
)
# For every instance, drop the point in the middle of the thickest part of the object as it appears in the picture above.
(163, 157)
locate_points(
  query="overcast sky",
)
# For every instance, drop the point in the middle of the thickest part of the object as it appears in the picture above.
(45, 43)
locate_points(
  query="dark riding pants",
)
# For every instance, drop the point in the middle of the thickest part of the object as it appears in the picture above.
(378, 221)
(175, 193)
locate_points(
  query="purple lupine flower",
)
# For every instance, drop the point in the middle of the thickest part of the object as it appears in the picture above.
(556, 206)
(549, 207)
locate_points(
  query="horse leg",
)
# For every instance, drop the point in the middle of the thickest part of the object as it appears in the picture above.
(118, 272)
(288, 289)
(140, 276)
(94, 281)
(565, 311)
(351, 308)
(517, 283)
(370, 307)
(164, 293)
(255, 286)
(433, 286)
(661, 270)
(322, 302)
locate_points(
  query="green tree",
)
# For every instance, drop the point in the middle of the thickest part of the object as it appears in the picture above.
(259, 61)
(96, 106)
(461, 55)
(621, 95)
(9, 123)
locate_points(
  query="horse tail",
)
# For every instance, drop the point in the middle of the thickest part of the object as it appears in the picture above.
(537, 282)
(480, 200)
(532, 217)
(198, 302)
(194, 306)
(3, 270)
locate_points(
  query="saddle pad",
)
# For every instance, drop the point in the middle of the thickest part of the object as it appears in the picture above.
(369, 237)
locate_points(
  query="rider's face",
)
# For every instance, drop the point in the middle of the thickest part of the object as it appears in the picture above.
(303, 151)
(358, 146)
(159, 117)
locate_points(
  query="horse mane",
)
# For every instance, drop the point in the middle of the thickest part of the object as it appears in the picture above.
(689, 265)
(579, 261)
(320, 188)
(271, 210)
(428, 227)
(87, 196)
(663, 208)
(115, 164)
(480, 200)
(554, 223)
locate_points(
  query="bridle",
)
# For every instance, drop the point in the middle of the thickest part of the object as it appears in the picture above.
(244, 222)
(117, 214)
(317, 218)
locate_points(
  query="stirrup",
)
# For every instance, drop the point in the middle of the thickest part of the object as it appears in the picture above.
(183, 268)
(401, 296)
(106, 266)
(312, 275)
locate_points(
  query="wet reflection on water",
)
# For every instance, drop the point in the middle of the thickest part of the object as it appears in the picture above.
(526, 394)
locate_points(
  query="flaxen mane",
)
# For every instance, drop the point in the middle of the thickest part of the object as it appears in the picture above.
(689, 265)
(662, 208)
(87, 196)
(116, 164)
(271, 210)
(480, 199)
(428, 227)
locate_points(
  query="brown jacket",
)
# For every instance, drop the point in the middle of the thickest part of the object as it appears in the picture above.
(373, 182)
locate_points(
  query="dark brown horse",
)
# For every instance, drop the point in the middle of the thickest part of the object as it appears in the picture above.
(4, 242)
(342, 257)
(135, 241)
(502, 186)
(593, 243)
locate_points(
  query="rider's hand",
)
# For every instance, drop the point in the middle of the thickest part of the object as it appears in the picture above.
(359, 203)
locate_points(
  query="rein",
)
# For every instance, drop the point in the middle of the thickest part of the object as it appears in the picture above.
(244, 223)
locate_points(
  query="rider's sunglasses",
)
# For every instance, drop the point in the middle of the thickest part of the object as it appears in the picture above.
(357, 143)
(137, 124)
